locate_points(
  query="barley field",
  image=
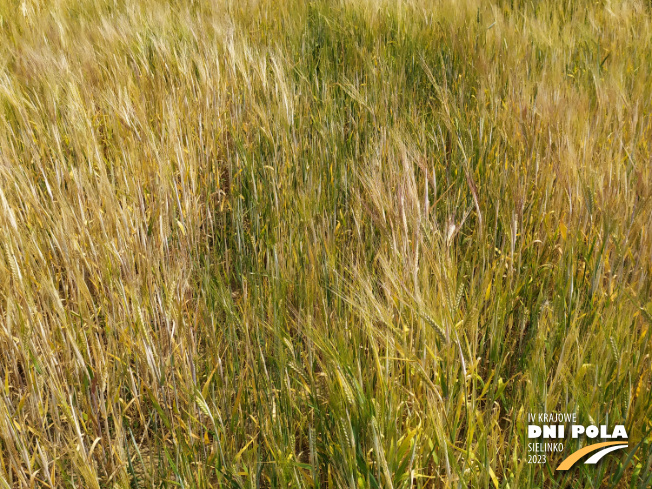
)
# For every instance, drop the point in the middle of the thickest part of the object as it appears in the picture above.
(329, 244)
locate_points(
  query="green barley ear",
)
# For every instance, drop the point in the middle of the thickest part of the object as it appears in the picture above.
(450, 297)
(346, 388)
(440, 332)
(458, 297)
(647, 315)
(614, 350)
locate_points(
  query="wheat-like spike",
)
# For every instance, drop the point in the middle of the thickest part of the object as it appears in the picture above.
(450, 299)
(646, 315)
(440, 332)
(614, 350)
(458, 297)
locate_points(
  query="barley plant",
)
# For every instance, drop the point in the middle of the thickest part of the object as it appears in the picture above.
(329, 244)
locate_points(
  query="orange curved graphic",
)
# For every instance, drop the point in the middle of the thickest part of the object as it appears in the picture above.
(575, 456)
